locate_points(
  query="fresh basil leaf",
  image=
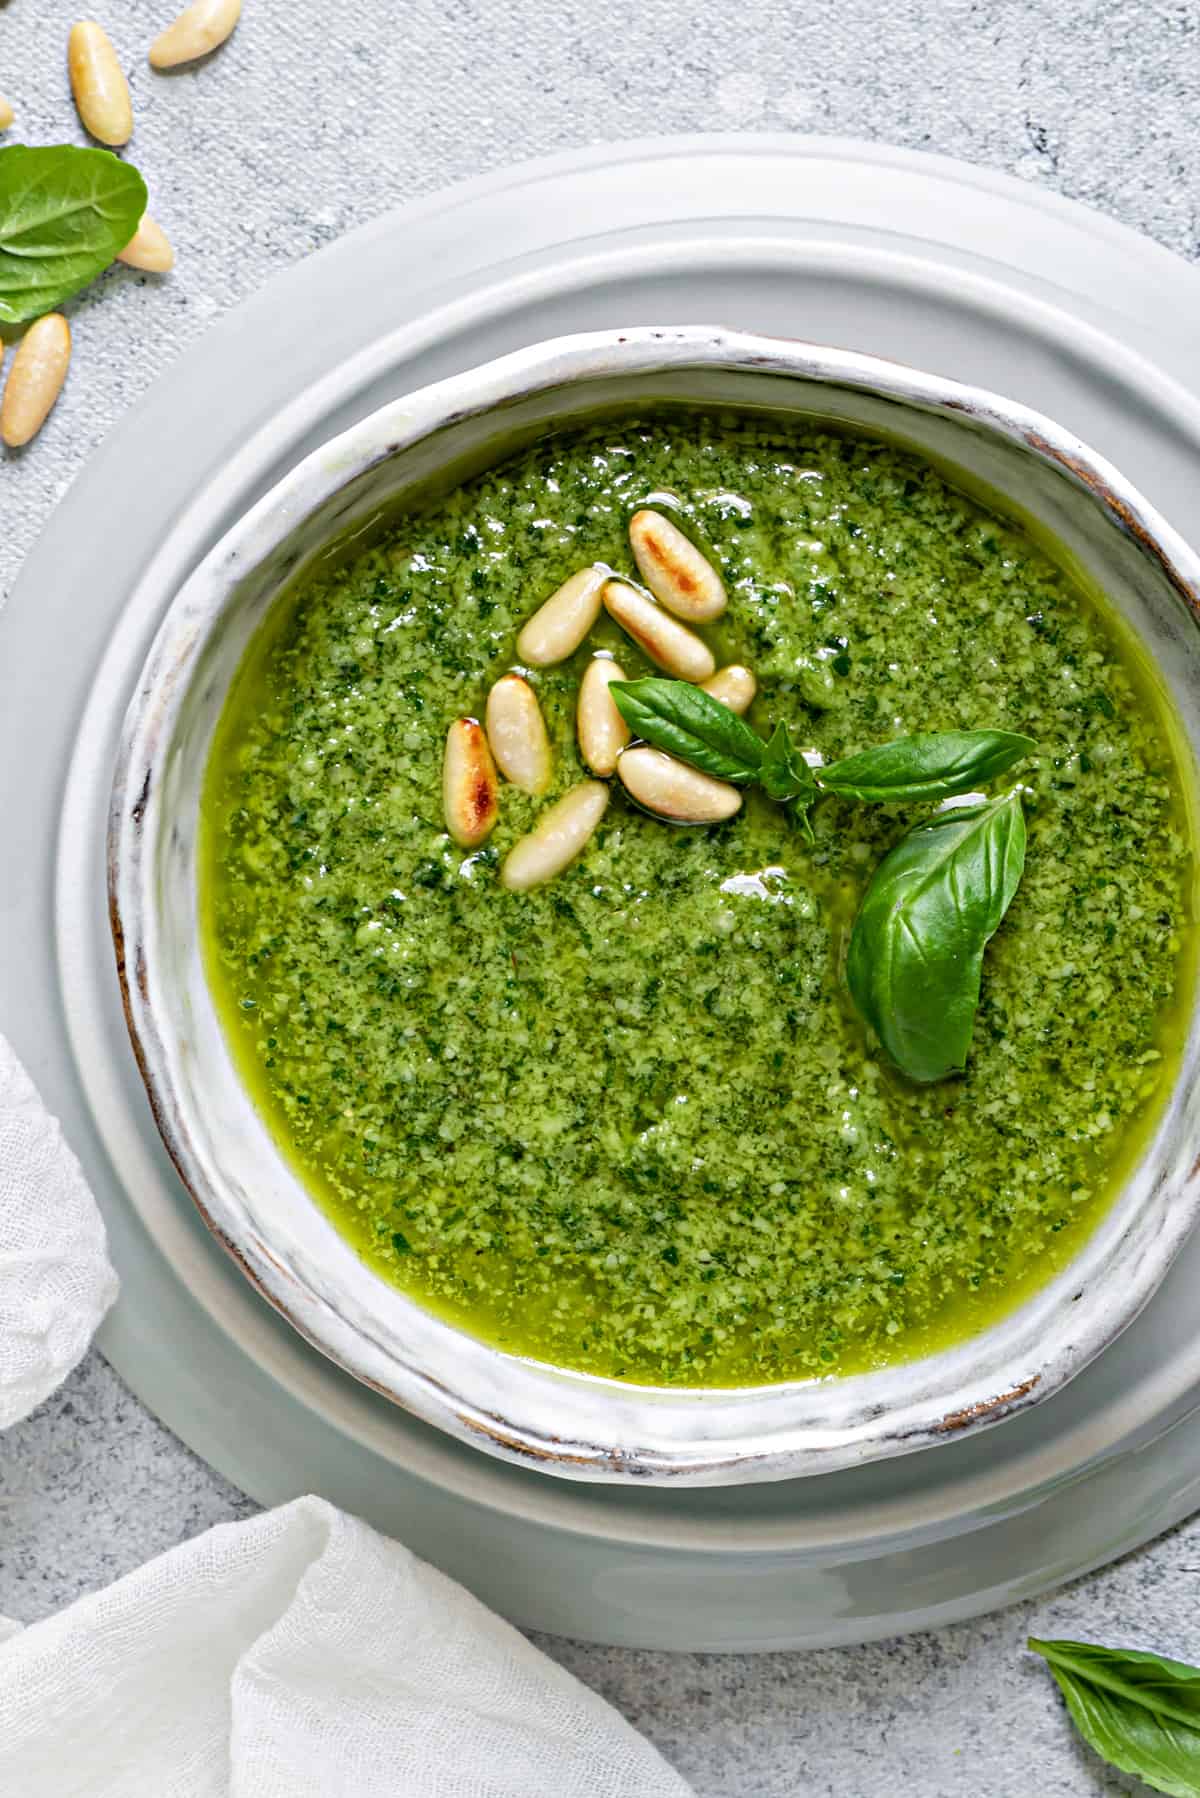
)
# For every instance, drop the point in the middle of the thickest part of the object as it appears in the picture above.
(784, 772)
(1140, 1711)
(65, 213)
(689, 723)
(935, 765)
(916, 949)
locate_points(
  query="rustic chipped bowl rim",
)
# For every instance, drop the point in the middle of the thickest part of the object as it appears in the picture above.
(572, 1424)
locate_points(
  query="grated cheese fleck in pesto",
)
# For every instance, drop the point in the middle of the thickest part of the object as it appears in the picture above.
(629, 1122)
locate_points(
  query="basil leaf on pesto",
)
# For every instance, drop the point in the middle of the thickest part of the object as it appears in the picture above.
(934, 765)
(929, 912)
(688, 722)
(787, 777)
(1140, 1711)
(784, 772)
(65, 214)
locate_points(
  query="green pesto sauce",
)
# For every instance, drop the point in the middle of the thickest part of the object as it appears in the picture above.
(629, 1122)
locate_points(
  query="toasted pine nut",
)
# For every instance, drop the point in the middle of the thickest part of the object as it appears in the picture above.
(35, 379)
(665, 641)
(559, 626)
(734, 686)
(556, 839)
(517, 734)
(470, 790)
(7, 115)
(674, 790)
(149, 248)
(603, 733)
(674, 570)
(201, 27)
(98, 84)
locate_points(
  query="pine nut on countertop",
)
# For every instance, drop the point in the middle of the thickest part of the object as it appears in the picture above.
(99, 85)
(35, 379)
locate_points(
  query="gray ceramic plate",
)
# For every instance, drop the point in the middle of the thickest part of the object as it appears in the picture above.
(881, 249)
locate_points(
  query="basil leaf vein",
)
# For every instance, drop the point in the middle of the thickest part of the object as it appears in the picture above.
(931, 908)
(65, 214)
(689, 723)
(935, 765)
(1140, 1711)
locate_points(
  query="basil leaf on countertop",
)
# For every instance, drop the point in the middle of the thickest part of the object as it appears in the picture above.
(689, 723)
(916, 949)
(65, 213)
(935, 765)
(1141, 1712)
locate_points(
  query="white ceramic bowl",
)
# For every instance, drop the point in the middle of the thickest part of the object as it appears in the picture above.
(573, 1424)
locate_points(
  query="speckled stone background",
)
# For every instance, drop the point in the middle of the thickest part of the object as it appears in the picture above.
(316, 118)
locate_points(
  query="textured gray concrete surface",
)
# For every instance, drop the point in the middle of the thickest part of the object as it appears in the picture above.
(318, 118)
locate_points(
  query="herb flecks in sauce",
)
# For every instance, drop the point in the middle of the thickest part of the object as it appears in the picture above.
(628, 1121)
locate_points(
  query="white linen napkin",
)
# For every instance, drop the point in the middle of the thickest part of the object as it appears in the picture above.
(56, 1282)
(298, 1655)
(301, 1655)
